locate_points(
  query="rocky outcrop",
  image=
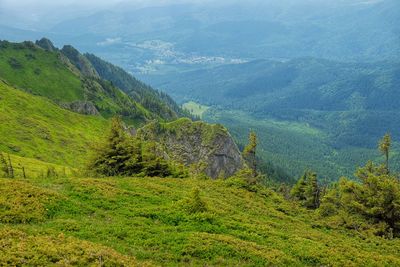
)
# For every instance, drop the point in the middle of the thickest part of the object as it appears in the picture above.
(79, 61)
(46, 44)
(81, 107)
(204, 147)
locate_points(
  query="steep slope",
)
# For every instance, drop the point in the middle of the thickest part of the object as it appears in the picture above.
(79, 61)
(35, 127)
(205, 148)
(61, 122)
(39, 72)
(157, 102)
(148, 219)
(51, 74)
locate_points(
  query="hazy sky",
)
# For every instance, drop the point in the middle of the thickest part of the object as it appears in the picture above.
(41, 14)
(37, 14)
(52, 3)
(12, 4)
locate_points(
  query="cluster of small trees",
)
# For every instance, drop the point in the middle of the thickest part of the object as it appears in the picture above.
(123, 155)
(371, 203)
(374, 199)
(7, 170)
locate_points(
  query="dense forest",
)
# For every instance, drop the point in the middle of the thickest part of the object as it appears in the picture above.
(327, 114)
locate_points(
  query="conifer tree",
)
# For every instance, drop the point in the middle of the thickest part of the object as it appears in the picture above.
(384, 147)
(375, 200)
(122, 155)
(250, 151)
(115, 156)
(307, 190)
(194, 203)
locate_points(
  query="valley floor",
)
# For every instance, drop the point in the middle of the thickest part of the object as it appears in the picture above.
(143, 221)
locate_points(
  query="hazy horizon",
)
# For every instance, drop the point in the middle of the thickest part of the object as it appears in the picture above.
(42, 14)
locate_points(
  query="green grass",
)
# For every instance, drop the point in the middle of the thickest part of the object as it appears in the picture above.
(51, 75)
(39, 72)
(34, 127)
(195, 109)
(20, 249)
(144, 219)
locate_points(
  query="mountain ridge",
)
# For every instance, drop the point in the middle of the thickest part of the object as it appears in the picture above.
(54, 110)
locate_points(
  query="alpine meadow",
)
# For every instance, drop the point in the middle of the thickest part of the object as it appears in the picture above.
(200, 133)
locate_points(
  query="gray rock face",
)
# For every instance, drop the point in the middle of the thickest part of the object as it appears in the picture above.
(46, 44)
(79, 61)
(204, 147)
(81, 107)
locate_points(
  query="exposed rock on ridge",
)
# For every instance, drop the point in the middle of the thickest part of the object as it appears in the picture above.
(80, 61)
(46, 44)
(82, 107)
(209, 148)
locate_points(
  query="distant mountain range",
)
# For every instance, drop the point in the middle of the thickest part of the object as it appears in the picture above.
(337, 30)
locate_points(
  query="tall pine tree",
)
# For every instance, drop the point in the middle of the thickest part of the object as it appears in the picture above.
(250, 151)
(114, 157)
(307, 190)
(384, 147)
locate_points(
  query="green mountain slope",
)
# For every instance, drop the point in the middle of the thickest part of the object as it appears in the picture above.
(35, 127)
(51, 74)
(68, 78)
(50, 129)
(157, 102)
(148, 219)
(39, 72)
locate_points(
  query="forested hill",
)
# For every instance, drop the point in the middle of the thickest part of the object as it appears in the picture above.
(290, 85)
(157, 102)
(308, 90)
(308, 112)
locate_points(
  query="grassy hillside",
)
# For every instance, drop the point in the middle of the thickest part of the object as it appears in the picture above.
(147, 219)
(40, 72)
(35, 127)
(68, 78)
(50, 74)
